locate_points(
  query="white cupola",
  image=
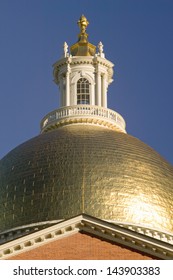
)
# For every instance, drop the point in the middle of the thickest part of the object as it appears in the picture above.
(83, 76)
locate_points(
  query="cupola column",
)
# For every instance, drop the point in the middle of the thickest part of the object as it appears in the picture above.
(92, 94)
(104, 91)
(98, 88)
(61, 92)
(67, 92)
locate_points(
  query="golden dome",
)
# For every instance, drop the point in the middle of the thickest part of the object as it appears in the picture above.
(86, 168)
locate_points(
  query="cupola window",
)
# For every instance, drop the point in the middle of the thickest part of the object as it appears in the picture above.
(83, 91)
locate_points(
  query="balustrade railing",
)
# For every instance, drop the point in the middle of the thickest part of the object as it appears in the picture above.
(83, 110)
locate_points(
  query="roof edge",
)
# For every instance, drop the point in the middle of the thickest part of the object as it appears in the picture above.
(88, 224)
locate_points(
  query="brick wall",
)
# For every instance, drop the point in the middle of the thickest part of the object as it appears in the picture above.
(81, 246)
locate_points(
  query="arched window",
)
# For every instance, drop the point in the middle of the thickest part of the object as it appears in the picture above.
(83, 94)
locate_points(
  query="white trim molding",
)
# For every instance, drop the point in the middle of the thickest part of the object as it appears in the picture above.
(91, 225)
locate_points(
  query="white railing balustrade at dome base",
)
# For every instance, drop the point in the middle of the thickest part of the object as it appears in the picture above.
(109, 117)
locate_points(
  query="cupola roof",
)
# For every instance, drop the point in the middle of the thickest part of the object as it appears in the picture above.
(83, 47)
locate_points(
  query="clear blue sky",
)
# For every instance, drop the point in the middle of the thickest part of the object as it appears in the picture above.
(137, 37)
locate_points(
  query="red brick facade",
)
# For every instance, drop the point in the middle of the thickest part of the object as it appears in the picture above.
(81, 247)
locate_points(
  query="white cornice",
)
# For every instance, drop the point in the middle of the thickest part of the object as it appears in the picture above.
(73, 59)
(94, 60)
(94, 226)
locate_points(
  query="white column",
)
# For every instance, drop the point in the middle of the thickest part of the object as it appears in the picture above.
(104, 91)
(92, 94)
(73, 98)
(98, 87)
(67, 100)
(61, 92)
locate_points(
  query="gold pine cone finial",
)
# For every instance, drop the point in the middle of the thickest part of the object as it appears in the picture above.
(83, 23)
(83, 47)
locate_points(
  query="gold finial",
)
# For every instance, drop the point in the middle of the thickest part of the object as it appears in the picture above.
(83, 23)
(83, 47)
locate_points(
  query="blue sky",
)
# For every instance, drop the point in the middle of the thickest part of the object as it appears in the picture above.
(137, 37)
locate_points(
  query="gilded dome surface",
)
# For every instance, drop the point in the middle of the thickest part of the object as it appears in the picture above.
(85, 168)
